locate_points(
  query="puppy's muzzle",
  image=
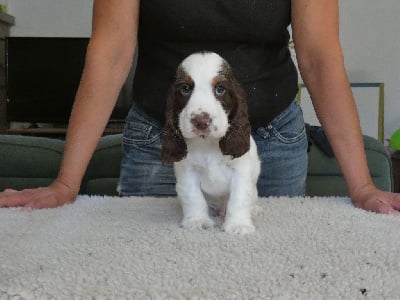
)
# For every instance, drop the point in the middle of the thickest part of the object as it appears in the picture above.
(201, 122)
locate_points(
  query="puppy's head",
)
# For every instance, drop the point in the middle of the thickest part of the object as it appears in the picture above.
(205, 101)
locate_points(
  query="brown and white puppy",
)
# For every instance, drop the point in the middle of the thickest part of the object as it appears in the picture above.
(208, 138)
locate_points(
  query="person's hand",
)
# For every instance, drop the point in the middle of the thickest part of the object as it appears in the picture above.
(372, 199)
(57, 194)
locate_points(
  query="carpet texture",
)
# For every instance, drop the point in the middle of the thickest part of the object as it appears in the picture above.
(133, 248)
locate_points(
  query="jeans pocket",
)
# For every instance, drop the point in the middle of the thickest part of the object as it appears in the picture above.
(289, 127)
(289, 136)
(139, 132)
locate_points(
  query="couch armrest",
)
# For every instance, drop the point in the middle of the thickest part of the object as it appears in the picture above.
(326, 179)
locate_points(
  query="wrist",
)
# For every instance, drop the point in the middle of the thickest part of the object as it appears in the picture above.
(357, 193)
(72, 188)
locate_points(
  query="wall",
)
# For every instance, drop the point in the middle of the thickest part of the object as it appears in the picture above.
(71, 18)
(369, 35)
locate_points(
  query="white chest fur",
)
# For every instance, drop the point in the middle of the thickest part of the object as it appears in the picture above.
(213, 169)
(207, 178)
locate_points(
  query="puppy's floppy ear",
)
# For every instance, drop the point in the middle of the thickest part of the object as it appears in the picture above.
(236, 141)
(174, 147)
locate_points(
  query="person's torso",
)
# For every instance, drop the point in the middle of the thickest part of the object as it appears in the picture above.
(250, 34)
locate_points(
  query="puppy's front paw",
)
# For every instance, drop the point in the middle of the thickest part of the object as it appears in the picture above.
(238, 228)
(197, 223)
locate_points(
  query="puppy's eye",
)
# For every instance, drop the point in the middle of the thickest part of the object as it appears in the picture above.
(186, 90)
(219, 90)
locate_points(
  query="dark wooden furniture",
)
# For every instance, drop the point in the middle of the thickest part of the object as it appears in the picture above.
(6, 21)
(52, 132)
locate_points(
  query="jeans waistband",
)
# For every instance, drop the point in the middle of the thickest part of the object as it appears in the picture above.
(293, 109)
(138, 114)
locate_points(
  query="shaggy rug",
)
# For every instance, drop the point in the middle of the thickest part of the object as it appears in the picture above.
(133, 248)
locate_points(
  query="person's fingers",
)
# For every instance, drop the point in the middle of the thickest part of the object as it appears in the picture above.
(11, 199)
(380, 205)
(48, 197)
(395, 201)
(387, 209)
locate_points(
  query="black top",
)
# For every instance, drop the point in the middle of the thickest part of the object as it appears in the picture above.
(250, 34)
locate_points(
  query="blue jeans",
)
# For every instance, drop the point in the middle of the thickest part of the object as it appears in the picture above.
(281, 144)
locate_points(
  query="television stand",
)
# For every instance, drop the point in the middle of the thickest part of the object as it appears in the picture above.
(52, 131)
(55, 130)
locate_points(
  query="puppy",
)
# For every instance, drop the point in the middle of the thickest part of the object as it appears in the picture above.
(208, 138)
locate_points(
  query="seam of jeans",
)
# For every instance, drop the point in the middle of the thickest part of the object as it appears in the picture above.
(290, 140)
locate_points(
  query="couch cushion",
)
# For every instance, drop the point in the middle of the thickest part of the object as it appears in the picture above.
(103, 171)
(102, 186)
(28, 162)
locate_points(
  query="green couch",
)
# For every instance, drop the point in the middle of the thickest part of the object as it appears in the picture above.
(27, 162)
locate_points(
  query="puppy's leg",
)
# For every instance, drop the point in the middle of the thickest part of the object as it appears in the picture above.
(193, 202)
(243, 194)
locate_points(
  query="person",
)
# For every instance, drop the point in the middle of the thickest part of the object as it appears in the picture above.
(252, 36)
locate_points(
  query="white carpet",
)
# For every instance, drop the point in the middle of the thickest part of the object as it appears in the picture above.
(133, 248)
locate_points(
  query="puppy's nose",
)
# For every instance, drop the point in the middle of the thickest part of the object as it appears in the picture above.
(201, 121)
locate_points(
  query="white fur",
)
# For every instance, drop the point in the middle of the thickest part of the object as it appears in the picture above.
(205, 174)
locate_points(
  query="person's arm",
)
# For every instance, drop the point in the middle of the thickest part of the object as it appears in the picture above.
(108, 61)
(315, 25)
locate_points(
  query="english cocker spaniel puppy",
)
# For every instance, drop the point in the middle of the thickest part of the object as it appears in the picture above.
(207, 137)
